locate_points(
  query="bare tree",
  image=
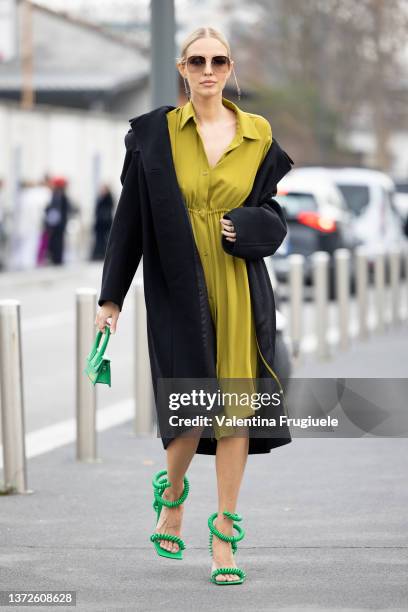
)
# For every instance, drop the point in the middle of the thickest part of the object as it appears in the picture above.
(339, 61)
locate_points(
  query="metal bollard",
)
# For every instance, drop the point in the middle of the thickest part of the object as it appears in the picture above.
(395, 274)
(85, 391)
(342, 263)
(12, 398)
(362, 290)
(320, 261)
(379, 284)
(296, 264)
(144, 414)
(405, 250)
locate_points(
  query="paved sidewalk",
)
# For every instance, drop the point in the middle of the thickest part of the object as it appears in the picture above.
(380, 355)
(326, 522)
(326, 529)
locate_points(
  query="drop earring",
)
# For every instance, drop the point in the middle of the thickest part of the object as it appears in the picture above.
(236, 82)
(186, 89)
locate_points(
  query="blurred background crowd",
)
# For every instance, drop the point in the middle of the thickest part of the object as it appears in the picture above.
(330, 75)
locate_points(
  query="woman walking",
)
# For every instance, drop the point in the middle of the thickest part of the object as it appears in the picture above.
(197, 202)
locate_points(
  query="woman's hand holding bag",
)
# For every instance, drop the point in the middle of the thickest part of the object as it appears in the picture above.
(98, 367)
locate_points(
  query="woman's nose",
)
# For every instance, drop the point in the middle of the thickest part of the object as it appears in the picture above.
(208, 67)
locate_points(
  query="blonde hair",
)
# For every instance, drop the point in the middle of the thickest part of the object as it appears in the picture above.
(202, 33)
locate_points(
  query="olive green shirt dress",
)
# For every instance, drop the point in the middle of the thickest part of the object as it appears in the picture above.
(209, 192)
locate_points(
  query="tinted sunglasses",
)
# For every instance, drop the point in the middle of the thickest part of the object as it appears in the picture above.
(219, 63)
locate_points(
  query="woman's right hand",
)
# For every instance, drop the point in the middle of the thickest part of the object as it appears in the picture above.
(108, 310)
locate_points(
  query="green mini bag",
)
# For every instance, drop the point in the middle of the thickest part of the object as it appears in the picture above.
(97, 366)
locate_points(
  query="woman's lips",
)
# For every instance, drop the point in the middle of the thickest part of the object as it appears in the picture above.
(208, 83)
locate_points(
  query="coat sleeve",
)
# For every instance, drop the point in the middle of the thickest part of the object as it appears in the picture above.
(261, 228)
(124, 248)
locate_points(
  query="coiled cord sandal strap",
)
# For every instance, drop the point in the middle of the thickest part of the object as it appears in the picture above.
(228, 570)
(233, 539)
(168, 536)
(160, 483)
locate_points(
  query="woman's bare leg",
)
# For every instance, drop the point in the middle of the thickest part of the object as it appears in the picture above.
(179, 452)
(231, 457)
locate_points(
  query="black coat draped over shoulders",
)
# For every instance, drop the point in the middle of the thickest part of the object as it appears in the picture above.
(151, 219)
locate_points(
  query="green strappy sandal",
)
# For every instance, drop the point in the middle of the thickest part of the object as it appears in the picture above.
(160, 483)
(233, 539)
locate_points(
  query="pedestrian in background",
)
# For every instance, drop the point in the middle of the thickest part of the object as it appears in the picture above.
(56, 216)
(102, 222)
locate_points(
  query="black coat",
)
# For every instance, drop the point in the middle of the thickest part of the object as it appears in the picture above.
(152, 219)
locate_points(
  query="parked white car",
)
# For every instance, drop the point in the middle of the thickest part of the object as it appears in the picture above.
(370, 197)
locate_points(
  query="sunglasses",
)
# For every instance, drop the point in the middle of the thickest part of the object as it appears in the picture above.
(219, 63)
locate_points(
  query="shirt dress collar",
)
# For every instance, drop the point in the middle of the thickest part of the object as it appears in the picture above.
(245, 123)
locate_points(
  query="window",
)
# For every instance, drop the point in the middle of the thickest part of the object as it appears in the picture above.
(401, 187)
(357, 197)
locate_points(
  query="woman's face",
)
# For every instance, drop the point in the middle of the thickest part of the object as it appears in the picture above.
(208, 48)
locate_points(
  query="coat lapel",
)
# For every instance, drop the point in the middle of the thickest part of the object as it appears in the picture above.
(170, 216)
(276, 164)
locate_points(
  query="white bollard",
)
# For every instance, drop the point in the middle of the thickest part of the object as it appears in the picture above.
(12, 399)
(296, 264)
(405, 250)
(86, 331)
(320, 262)
(379, 285)
(342, 263)
(362, 290)
(395, 275)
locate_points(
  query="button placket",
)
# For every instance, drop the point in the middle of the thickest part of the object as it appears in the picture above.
(205, 183)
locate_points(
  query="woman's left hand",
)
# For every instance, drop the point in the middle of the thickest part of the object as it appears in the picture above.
(228, 230)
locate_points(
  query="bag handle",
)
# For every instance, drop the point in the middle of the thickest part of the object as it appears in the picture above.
(97, 353)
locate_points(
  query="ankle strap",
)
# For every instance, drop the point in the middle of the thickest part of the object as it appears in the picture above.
(233, 539)
(160, 483)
